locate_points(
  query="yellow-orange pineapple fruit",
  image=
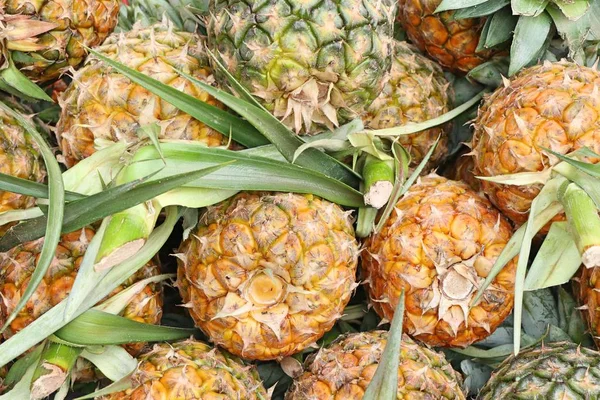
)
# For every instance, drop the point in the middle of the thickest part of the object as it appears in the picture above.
(48, 37)
(102, 106)
(267, 274)
(439, 245)
(416, 90)
(19, 157)
(555, 106)
(191, 370)
(344, 370)
(452, 42)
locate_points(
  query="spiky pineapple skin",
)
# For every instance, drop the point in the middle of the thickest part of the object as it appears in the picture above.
(344, 369)
(19, 157)
(439, 245)
(313, 64)
(191, 370)
(102, 106)
(267, 274)
(416, 90)
(452, 42)
(587, 291)
(555, 371)
(554, 105)
(463, 169)
(78, 23)
(17, 266)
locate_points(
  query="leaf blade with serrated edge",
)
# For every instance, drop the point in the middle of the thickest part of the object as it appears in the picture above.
(54, 220)
(556, 262)
(384, 384)
(529, 37)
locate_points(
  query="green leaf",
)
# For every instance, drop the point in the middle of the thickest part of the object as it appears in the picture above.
(539, 312)
(52, 223)
(529, 8)
(529, 39)
(153, 132)
(96, 327)
(490, 73)
(95, 207)
(9, 183)
(557, 260)
(52, 320)
(384, 384)
(365, 222)
(587, 182)
(214, 117)
(114, 362)
(284, 139)
(446, 5)
(481, 10)
(502, 25)
(15, 79)
(574, 33)
(545, 199)
(573, 9)
(249, 172)
(590, 169)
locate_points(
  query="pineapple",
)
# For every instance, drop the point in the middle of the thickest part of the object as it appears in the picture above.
(267, 274)
(312, 64)
(17, 266)
(19, 157)
(587, 290)
(47, 38)
(345, 368)
(551, 372)
(102, 106)
(439, 245)
(554, 105)
(416, 91)
(452, 42)
(191, 370)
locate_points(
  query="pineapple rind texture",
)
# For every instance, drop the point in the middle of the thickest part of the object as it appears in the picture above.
(416, 90)
(17, 266)
(267, 274)
(554, 105)
(102, 106)
(77, 23)
(344, 369)
(452, 42)
(313, 64)
(556, 371)
(19, 157)
(439, 245)
(586, 286)
(191, 370)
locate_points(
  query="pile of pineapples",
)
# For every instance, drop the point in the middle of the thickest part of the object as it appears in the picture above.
(317, 200)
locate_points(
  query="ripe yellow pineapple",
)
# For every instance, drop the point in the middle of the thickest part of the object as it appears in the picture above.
(46, 38)
(452, 42)
(587, 291)
(344, 370)
(554, 105)
(18, 264)
(312, 64)
(416, 90)
(102, 106)
(267, 274)
(19, 157)
(439, 245)
(191, 370)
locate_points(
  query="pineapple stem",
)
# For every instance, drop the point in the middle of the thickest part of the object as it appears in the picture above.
(126, 234)
(584, 222)
(379, 180)
(56, 363)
